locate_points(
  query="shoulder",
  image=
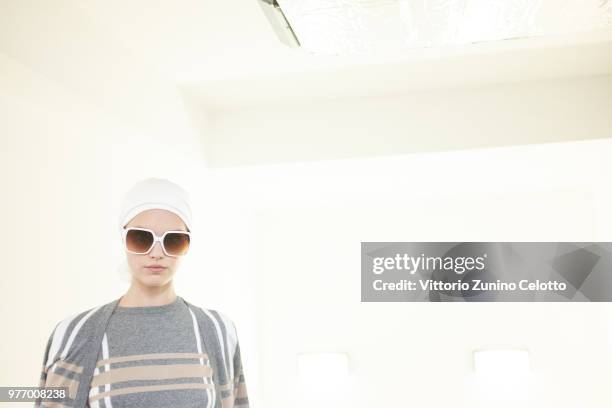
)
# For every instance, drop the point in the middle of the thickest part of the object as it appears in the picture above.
(221, 321)
(223, 318)
(85, 318)
(70, 330)
(69, 323)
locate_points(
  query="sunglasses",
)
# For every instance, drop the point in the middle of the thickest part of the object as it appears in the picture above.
(140, 241)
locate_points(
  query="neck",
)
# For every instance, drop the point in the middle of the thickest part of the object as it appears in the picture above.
(139, 295)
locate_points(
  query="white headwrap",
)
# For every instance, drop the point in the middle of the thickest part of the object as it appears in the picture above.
(155, 193)
(149, 194)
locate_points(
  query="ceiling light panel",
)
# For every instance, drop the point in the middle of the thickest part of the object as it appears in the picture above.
(362, 26)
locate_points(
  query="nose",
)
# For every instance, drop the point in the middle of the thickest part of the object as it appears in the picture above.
(157, 250)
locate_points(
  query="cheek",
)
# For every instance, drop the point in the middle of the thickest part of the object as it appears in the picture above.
(174, 263)
(135, 261)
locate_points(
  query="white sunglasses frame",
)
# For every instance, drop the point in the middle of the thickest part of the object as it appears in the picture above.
(156, 238)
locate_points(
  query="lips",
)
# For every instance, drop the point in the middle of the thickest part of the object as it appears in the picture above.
(155, 268)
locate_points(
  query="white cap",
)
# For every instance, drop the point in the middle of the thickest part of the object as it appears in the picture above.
(155, 193)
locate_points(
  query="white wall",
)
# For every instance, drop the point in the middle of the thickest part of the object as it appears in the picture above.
(308, 222)
(310, 211)
(512, 113)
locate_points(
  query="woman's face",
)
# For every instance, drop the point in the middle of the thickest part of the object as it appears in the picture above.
(159, 221)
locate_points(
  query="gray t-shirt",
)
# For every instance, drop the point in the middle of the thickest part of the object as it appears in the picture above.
(149, 358)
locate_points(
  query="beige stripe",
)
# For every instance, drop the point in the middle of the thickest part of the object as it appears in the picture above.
(58, 380)
(145, 388)
(51, 404)
(151, 372)
(155, 356)
(69, 366)
(241, 391)
(227, 402)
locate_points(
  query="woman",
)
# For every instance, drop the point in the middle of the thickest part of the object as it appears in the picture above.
(149, 348)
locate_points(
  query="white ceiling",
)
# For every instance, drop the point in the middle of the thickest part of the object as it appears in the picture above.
(467, 66)
(226, 54)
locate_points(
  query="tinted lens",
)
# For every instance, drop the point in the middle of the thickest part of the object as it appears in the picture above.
(138, 241)
(176, 243)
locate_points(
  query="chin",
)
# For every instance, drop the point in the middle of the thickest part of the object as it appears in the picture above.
(154, 280)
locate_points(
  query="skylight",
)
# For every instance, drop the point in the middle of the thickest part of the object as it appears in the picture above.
(363, 26)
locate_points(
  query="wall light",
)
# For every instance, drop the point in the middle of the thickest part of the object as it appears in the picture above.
(502, 378)
(502, 362)
(323, 377)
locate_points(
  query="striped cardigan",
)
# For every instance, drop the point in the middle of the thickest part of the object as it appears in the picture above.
(75, 341)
